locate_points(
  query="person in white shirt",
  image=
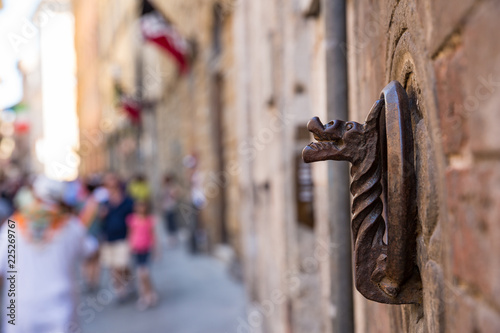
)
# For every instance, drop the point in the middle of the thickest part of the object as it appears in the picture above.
(50, 243)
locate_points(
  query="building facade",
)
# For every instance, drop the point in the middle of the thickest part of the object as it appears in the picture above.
(106, 55)
(186, 118)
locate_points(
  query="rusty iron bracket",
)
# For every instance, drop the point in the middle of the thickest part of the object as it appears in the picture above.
(383, 186)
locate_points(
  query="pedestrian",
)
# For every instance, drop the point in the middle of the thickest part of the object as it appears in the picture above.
(197, 235)
(97, 197)
(48, 245)
(115, 253)
(138, 188)
(5, 208)
(170, 206)
(142, 240)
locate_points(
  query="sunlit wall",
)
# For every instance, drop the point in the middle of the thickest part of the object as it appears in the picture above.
(60, 124)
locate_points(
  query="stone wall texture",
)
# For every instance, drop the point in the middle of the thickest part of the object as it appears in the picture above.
(445, 56)
(280, 61)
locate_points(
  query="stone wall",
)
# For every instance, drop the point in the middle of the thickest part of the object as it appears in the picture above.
(279, 60)
(446, 56)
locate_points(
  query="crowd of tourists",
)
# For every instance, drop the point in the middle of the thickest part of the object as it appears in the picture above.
(65, 232)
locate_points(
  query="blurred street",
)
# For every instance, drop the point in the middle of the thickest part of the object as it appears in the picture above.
(196, 296)
(232, 166)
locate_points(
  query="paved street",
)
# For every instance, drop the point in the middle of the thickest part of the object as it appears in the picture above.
(196, 296)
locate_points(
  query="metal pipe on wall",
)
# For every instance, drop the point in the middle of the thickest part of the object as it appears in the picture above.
(338, 173)
(139, 72)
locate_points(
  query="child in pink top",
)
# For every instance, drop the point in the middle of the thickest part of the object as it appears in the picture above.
(141, 238)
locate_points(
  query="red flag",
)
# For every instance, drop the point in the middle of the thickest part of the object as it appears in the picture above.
(132, 107)
(21, 127)
(157, 29)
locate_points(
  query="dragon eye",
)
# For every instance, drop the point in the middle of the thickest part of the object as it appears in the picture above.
(349, 126)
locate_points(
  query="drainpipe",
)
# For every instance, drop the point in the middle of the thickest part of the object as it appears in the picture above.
(139, 82)
(338, 173)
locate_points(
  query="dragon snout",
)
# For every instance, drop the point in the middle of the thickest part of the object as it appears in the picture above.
(331, 131)
(315, 126)
(329, 140)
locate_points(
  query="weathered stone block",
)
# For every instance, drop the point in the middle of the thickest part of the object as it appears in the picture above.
(481, 76)
(434, 305)
(453, 130)
(440, 18)
(460, 315)
(473, 201)
(488, 320)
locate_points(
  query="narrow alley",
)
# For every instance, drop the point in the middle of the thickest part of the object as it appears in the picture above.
(249, 166)
(197, 295)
